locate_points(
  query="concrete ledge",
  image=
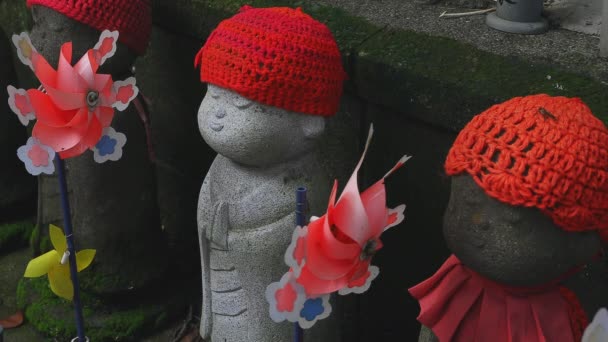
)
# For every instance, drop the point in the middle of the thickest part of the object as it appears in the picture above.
(439, 71)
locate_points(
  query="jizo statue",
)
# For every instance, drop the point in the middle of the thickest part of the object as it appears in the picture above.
(525, 220)
(274, 75)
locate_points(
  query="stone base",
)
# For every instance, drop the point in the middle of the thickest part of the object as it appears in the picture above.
(128, 317)
(536, 27)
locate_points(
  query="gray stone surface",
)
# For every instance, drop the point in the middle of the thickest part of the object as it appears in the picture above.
(246, 212)
(114, 208)
(512, 245)
(581, 56)
(16, 185)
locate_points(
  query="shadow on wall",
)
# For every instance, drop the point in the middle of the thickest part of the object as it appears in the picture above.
(414, 249)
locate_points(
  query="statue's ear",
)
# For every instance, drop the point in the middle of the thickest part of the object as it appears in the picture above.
(313, 126)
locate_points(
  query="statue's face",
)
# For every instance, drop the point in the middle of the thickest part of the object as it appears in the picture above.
(514, 245)
(254, 134)
(52, 29)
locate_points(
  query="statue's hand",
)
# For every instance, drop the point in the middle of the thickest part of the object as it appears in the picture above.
(218, 234)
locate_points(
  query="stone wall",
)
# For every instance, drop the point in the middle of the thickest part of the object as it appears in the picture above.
(419, 79)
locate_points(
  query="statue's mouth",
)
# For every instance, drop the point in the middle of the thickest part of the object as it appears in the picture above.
(216, 126)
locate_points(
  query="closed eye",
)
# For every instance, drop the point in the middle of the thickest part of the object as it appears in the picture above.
(241, 102)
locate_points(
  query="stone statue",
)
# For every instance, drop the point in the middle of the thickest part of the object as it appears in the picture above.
(114, 205)
(526, 246)
(265, 121)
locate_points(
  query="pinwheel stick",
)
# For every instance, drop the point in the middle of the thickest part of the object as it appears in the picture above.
(301, 208)
(67, 227)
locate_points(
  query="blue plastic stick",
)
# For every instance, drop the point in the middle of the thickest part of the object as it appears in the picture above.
(300, 221)
(67, 228)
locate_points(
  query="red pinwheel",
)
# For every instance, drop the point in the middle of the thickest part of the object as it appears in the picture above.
(334, 252)
(341, 244)
(74, 105)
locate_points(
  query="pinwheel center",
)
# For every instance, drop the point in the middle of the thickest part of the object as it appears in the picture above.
(92, 99)
(370, 248)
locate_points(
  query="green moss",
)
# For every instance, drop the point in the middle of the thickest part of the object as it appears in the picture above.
(14, 16)
(53, 316)
(94, 281)
(433, 76)
(15, 235)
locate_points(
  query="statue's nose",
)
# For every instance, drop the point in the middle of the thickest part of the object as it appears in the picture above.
(220, 113)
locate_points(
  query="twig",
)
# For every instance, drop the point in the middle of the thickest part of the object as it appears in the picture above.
(466, 14)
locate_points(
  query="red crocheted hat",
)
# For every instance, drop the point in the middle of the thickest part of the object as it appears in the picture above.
(540, 151)
(277, 56)
(132, 18)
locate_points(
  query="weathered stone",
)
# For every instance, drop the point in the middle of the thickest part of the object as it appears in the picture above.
(516, 246)
(16, 185)
(114, 207)
(180, 154)
(246, 211)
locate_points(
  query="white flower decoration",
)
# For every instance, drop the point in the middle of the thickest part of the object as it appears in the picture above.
(373, 273)
(395, 214)
(106, 53)
(20, 104)
(295, 247)
(37, 158)
(109, 146)
(124, 92)
(293, 298)
(597, 331)
(23, 43)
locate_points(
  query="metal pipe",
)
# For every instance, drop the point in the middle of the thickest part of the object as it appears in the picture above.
(518, 16)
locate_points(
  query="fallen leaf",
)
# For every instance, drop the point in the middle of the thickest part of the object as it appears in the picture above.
(12, 321)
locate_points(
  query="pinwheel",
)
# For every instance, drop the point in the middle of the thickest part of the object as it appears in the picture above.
(73, 108)
(54, 264)
(333, 253)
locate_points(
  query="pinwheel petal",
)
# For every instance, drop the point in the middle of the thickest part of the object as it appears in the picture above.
(61, 283)
(68, 80)
(374, 202)
(46, 111)
(44, 71)
(84, 258)
(105, 115)
(57, 239)
(315, 286)
(62, 139)
(322, 265)
(41, 265)
(93, 133)
(86, 68)
(349, 214)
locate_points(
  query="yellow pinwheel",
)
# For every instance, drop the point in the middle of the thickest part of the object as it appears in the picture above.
(55, 264)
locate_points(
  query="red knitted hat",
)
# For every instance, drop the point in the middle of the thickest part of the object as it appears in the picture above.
(276, 56)
(540, 151)
(132, 18)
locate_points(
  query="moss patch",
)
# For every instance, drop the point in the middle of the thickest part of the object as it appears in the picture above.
(445, 82)
(54, 316)
(15, 235)
(14, 16)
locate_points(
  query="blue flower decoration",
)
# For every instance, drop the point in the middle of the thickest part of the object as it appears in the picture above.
(312, 309)
(106, 145)
(109, 147)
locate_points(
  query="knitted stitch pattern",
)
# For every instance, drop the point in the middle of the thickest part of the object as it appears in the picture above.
(132, 18)
(540, 151)
(276, 56)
